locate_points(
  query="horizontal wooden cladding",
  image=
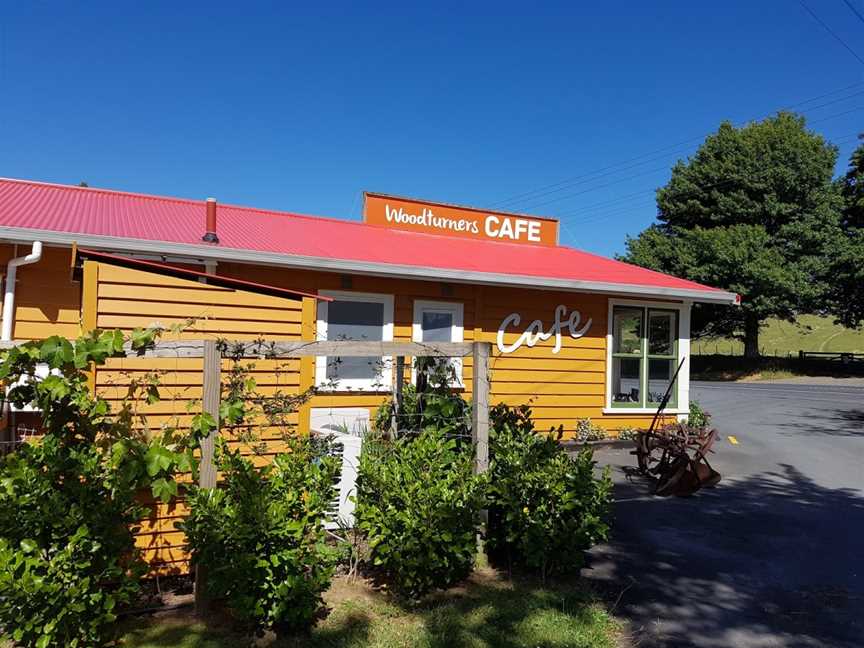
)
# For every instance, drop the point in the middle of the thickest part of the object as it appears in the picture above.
(193, 392)
(589, 373)
(45, 313)
(567, 343)
(571, 401)
(543, 353)
(237, 310)
(41, 330)
(47, 301)
(130, 299)
(170, 378)
(347, 399)
(195, 365)
(196, 294)
(162, 539)
(539, 387)
(224, 327)
(159, 556)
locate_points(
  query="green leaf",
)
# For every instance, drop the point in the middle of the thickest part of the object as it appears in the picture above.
(28, 545)
(164, 489)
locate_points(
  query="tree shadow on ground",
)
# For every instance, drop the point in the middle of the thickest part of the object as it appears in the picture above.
(768, 560)
(845, 422)
(184, 630)
(485, 612)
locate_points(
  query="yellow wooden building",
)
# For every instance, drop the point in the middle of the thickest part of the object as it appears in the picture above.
(573, 334)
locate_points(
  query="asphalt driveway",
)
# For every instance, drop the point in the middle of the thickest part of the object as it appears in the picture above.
(771, 557)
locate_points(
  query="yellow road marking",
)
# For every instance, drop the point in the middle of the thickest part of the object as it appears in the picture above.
(732, 440)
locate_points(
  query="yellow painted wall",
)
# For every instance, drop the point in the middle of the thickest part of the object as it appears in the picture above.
(561, 388)
(123, 298)
(47, 301)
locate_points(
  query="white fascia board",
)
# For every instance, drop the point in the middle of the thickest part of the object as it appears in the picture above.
(216, 253)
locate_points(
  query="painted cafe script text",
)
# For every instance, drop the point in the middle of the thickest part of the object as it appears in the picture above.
(534, 332)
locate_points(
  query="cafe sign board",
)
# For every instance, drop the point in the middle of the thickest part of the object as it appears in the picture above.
(429, 217)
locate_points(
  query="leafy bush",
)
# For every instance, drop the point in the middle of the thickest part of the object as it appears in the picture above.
(545, 507)
(628, 433)
(260, 536)
(68, 502)
(587, 430)
(698, 418)
(418, 502)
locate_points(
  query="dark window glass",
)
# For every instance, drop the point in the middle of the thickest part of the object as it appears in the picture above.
(354, 320)
(659, 375)
(625, 380)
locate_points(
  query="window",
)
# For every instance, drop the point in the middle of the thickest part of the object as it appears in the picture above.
(355, 316)
(644, 356)
(440, 322)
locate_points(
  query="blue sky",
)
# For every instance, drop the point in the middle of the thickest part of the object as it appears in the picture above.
(300, 107)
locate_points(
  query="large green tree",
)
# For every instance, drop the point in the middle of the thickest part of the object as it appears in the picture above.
(845, 295)
(754, 211)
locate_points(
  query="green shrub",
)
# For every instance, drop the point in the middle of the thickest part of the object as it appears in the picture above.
(260, 536)
(418, 504)
(68, 501)
(698, 418)
(587, 430)
(628, 433)
(545, 507)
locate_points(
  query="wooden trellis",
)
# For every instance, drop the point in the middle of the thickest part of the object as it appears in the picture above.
(209, 351)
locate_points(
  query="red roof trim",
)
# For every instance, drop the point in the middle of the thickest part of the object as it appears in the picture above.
(186, 273)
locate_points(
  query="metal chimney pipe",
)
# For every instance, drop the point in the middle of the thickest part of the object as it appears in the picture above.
(210, 236)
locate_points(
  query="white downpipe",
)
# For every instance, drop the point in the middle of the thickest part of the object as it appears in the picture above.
(9, 298)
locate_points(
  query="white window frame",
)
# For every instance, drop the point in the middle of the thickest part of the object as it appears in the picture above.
(385, 381)
(457, 329)
(682, 409)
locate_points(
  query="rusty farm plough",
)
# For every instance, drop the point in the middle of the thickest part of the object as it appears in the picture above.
(676, 455)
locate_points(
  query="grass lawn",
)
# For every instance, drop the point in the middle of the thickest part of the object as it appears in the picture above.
(486, 612)
(809, 333)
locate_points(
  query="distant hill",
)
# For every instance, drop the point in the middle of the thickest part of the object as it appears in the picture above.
(810, 333)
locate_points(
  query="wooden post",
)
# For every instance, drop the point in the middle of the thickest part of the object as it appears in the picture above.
(207, 472)
(212, 387)
(480, 415)
(397, 396)
(480, 430)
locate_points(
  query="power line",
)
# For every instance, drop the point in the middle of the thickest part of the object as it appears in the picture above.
(854, 10)
(650, 171)
(563, 184)
(597, 175)
(595, 217)
(831, 31)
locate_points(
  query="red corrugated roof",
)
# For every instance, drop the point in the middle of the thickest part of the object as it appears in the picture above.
(87, 212)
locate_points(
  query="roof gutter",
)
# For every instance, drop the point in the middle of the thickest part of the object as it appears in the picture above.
(363, 267)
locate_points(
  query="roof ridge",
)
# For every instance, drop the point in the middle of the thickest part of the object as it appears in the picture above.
(116, 192)
(176, 199)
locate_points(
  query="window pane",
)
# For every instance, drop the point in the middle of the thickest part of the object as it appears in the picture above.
(627, 330)
(659, 375)
(354, 320)
(661, 333)
(625, 380)
(437, 327)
